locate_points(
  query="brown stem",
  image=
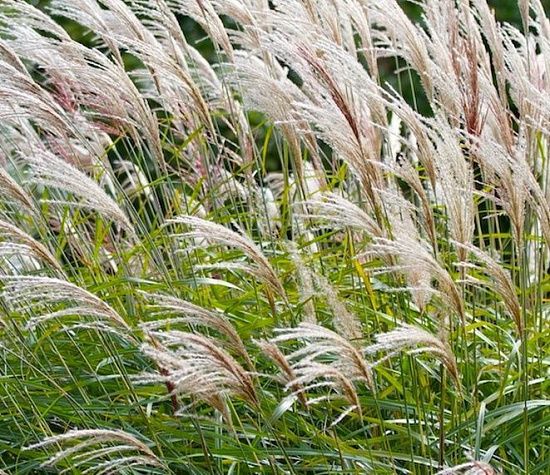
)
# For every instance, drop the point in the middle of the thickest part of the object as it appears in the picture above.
(170, 387)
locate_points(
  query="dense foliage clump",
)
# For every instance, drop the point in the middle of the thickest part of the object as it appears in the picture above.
(249, 250)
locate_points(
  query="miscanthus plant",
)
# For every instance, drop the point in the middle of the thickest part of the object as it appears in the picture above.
(172, 302)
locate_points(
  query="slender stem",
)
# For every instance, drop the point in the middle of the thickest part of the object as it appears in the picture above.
(522, 263)
(443, 391)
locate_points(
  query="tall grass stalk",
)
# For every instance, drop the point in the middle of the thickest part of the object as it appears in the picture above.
(284, 236)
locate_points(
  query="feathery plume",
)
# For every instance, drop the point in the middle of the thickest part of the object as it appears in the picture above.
(346, 323)
(116, 446)
(9, 188)
(338, 210)
(500, 282)
(31, 294)
(134, 181)
(469, 468)
(50, 171)
(324, 344)
(218, 234)
(397, 34)
(327, 360)
(23, 99)
(288, 375)
(456, 178)
(196, 366)
(34, 247)
(509, 174)
(306, 289)
(407, 253)
(414, 340)
(191, 314)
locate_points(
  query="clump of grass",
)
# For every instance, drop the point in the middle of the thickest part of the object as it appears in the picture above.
(253, 250)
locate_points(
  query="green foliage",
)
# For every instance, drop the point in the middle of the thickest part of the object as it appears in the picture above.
(191, 283)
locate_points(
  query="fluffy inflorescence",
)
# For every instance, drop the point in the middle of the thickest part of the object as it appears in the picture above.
(229, 214)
